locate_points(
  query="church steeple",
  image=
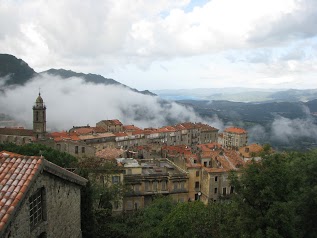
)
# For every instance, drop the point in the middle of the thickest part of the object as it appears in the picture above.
(39, 118)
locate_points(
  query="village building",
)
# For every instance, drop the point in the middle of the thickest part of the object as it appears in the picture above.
(208, 166)
(38, 198)
(113, 126)
(234, 137)
(148, 178)
(21, 136)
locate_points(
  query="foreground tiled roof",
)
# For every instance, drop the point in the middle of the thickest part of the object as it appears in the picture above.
(17, 174)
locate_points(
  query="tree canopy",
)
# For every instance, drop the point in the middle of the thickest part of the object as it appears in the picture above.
(60, 158)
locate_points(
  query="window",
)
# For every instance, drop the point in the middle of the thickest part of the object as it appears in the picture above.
(36, 207)
(231, 189)
(137, 188)
(76, 149)
(182, 185)
(216, 178)
(155, 185)
(129, 171)
(224, 191)
(37, 116)
(196, 184)
(136, 206)
(163, 185)
(216, 190)
(83, 150)
(115, 179)
(205, 164)
(197, 173)
(196, 196)
(175, 185)
(147, 186)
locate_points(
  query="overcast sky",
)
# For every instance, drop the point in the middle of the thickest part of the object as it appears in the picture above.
(166, 44)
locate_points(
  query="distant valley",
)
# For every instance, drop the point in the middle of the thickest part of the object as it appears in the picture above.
(239, 94)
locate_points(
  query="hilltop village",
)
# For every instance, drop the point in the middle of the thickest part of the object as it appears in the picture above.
(188, 161)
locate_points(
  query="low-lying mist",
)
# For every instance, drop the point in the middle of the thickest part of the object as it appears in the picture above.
(72, 102)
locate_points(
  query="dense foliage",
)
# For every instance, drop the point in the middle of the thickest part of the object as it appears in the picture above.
(274, 198)
(60, 158)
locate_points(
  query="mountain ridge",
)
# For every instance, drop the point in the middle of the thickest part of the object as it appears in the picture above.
(15, 71)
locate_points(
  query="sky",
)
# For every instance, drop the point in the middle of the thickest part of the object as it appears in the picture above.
(167, 44)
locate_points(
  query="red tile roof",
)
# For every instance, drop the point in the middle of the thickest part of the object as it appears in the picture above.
(59, 136)
(139, 132)
(206, 127)
(16, 131)
(131, 128)
(89, 130)
(253, 148)
(165, 129)
(235, 130)
(120, 134)
(17, 173)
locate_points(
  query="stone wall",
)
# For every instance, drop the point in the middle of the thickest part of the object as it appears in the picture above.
(62, 210)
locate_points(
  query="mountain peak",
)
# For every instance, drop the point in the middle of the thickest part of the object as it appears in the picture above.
(17, 70)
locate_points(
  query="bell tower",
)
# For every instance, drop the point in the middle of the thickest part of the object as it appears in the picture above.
(39, 118)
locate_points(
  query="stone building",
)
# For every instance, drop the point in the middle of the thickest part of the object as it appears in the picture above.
(147, 178)
(68, 142)
(38, 198)
(21, 136)
(208, 167)
(111, 125)
(234, 137)
(39, 118)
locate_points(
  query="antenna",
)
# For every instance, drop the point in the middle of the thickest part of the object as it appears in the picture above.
(39, 91)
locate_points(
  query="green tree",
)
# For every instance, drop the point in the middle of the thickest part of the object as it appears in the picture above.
(60, 158)
(267, 196)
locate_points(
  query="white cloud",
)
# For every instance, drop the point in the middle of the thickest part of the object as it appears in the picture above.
(109, 36)
(73, 102)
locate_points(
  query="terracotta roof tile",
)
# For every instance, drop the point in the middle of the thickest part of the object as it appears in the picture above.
(15, 181)
(235, 130)
(131, 128)
(16, 131)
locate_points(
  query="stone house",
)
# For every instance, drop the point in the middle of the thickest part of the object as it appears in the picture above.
(19, 136)
(38, 198)
(113, 126)
(234, 137)
(147, 178)
(208, 167)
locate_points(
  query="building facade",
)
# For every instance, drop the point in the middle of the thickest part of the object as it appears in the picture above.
(234, 137)
(38, 198)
